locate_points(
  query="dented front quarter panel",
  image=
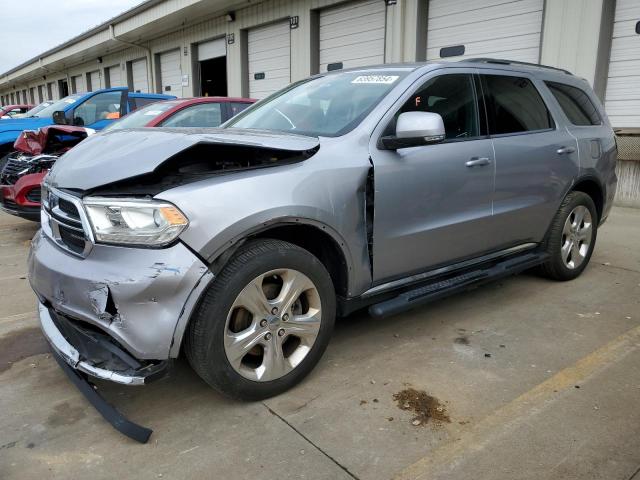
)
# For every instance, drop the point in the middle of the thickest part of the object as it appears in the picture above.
(136, 295)
(325, 191)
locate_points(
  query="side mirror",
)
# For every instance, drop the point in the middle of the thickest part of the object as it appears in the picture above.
(414, 129)
(59, 118)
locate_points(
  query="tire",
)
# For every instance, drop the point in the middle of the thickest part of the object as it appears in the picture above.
(242, 346)
(566, 262)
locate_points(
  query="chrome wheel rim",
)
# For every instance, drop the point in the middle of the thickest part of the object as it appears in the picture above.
(272, 325)
(577, 236)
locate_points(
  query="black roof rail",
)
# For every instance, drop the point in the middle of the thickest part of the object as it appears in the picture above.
(500, 61)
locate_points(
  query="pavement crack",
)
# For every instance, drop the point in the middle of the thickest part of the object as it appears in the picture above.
(620, 268)
(635, 475)
(342, 467)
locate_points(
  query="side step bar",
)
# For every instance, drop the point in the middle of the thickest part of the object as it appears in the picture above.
(443, 288)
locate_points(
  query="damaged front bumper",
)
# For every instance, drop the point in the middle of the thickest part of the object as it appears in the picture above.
(119, 314)
(128, 372)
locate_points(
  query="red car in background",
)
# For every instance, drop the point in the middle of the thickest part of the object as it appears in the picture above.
(8, 111)
(36, 151)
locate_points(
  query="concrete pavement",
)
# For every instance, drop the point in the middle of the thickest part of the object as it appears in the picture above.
(540, 380)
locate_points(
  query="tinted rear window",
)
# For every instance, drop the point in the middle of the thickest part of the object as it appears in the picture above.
(575, 104)
(137, 103)
(514, 105)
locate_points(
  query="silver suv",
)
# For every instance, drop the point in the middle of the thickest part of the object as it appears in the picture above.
(382, 187)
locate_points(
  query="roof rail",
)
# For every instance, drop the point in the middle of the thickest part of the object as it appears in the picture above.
(499, 61)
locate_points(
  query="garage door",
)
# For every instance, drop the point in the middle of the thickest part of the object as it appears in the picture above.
(77, 84)
(622, 98)
(213, 49)
(352, 35)
(487, 28)
(171, 73)
(139, 76)
(269, 59)
(113, 76)
(94, 81)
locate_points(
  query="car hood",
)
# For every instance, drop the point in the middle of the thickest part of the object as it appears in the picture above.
(110, 157)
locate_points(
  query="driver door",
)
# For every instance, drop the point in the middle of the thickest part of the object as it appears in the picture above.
(101, 109)
(433, 203)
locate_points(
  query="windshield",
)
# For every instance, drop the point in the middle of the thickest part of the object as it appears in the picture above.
(59, 105)
(39, 108)
(329, 106)
(142, 116)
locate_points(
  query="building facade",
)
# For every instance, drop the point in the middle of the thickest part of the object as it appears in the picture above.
(222, 47)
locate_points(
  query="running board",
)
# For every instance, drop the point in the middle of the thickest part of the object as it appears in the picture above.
(440, 289)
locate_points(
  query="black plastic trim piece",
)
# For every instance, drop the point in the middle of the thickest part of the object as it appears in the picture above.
(114, 417)
(443, 288)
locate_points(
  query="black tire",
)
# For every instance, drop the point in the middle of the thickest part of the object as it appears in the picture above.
(204, 342)
(555, 268)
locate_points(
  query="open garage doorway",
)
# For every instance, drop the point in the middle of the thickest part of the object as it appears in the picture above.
(211, 69)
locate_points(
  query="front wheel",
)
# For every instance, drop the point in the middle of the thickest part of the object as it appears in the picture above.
(265, 321)
(571, 238)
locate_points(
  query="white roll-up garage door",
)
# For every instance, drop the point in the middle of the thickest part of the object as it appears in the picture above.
(269, 59)
(622, 98)
(77, 84)
(139, 75)
(487, 28)
(352, 35)
(212, 49)
(94, 81)
(171, 73)
(113, 74)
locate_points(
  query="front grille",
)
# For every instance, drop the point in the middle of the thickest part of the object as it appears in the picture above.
(73, 239)
(12, 171)
(69, 208)
(9, 204)
(66, 226)
(34, 195)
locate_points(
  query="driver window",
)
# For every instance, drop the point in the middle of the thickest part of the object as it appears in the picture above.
(103, 106)
(452, 97)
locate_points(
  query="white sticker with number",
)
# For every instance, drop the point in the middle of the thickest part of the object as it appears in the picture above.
(376, 79)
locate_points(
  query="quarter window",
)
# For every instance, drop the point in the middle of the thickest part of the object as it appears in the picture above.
(452, 97)
(514, 105)
(575, 104)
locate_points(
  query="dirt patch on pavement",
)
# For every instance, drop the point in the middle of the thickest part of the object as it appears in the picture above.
(65, 414)
(21, 344)
(424, 406)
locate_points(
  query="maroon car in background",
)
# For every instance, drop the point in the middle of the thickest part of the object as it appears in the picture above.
(36, 151)
(184, 112)
(9, 111)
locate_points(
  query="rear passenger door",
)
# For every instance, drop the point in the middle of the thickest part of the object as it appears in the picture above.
(535, 156)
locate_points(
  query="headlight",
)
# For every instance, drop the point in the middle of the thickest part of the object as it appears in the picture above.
(147, 223)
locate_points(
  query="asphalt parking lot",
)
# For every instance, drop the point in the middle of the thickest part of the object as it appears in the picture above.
(530, 379)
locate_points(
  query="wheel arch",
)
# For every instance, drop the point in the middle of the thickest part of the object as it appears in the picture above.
(592, 187)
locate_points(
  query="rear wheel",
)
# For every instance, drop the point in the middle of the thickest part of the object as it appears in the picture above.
(571, 238)
(265, 321)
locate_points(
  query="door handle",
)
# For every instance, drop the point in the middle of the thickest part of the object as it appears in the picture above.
(563, 150)
(478, 162)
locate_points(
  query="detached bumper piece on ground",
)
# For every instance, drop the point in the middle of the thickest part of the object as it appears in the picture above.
(81, 352)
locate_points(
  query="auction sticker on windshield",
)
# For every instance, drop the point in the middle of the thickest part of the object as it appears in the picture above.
(379, 79)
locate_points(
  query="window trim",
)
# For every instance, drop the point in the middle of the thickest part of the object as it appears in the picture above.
(419, 83)
(485, 92)
(595, 108)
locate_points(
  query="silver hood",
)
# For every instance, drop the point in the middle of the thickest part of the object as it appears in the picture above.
(122, 154)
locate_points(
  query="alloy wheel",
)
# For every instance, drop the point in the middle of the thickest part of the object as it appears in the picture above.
(272, 325)
(577, 236)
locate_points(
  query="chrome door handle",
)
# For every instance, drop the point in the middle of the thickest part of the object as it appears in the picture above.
(478, 162)
(563, 150)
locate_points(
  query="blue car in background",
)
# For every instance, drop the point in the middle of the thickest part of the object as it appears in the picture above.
(93, 110)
